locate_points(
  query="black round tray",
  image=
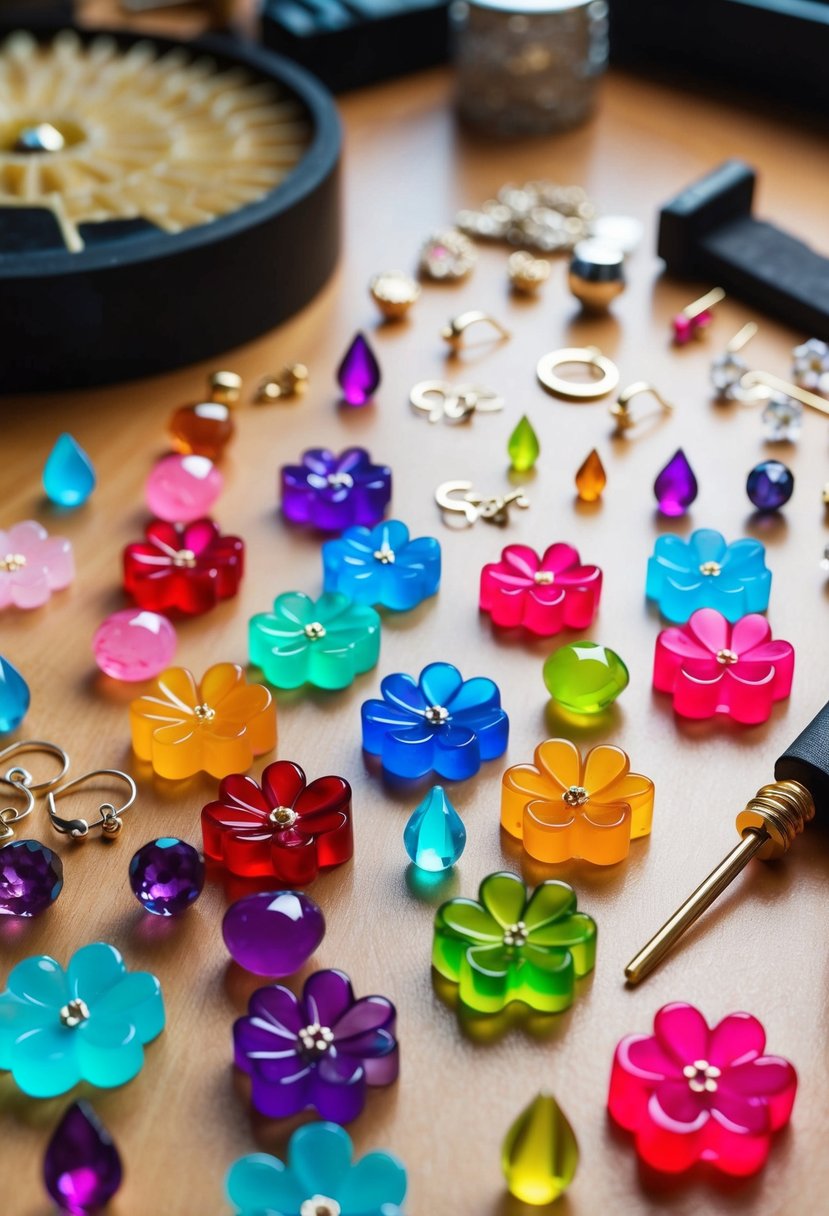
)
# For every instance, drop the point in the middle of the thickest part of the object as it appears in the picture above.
(143, 300)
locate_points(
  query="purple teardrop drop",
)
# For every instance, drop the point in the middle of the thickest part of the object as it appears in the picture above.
(676, 486)
(359, 373)
(82, 1166)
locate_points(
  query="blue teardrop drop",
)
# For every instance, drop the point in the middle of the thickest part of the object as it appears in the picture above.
(435, 835)
(14, 697)
(68, 475)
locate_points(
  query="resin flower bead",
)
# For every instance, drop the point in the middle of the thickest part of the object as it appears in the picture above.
(507, 947)
(439, 723)
(327, 642)
(183, 567)
(217, 727)
(88, 1023)
(562, 806)
(382, 566)
(692, 1093)
(542, 594)
(33, 564)
(285, 829)
(711, 666)
(706, 572)
(332, 492)
(318, 1178)
(321, 1050)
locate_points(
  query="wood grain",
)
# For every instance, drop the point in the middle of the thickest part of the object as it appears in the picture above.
(407, 170)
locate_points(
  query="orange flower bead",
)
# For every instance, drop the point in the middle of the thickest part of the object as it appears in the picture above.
(217, 726)
(562, 807)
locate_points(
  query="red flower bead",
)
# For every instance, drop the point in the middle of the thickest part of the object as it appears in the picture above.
(183, 567)
(285, 829)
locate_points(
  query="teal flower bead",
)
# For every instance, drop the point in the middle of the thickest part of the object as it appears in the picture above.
(318, 1177)
(87, 1023)
(326, 643)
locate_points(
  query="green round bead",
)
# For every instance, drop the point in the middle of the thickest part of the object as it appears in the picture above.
(585, 677)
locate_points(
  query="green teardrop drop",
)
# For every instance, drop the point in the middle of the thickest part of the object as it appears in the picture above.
(523, 447)
(540, 1153)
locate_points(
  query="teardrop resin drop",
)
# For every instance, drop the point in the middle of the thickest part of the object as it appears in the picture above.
(14, 697)
(359, 373)
(676, 486)
(82, 1167)
(68, 475)
(435, 836)
(540, 1154)
(523, 447)
(591, 478)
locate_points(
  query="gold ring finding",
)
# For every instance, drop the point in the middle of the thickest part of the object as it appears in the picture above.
(589, 356)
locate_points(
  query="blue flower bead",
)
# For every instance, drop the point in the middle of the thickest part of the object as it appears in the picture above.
(88, 1023)
(318, 1176)
(382, 566)
(439, 723)
(706, 572)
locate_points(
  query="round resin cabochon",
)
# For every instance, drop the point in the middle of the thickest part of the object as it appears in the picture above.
(115, 209)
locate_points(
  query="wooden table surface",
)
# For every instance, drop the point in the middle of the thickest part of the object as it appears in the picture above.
(182, 1122)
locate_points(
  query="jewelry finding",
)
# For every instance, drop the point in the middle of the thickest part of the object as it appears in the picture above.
(473, 506)
(526, 273)
(756, 386)
(225, 388)
(290, 381)
(110, 820)
(394, 293)
(454, 333)
(21, 781)
(454, 403)
(447, 255)
(728, 368)
(620, 410)
(596, 275)
(589, 356)
(695, 317)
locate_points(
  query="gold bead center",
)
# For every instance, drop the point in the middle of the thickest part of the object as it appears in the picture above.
(702, 1077)
(74, 1013)
(185, 558)
(12, 562)
(544, 577)
(283, 817)
(576, 795)
(727, 657)
(204, 713)
(710, 569)
(516, 935)
(384, 555)
(314, 631)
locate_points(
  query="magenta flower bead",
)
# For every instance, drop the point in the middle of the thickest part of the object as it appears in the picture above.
(711, 666)
(180, 489)
(33, 564)
(691, 1093)
(541, 594)
(134, 645)
(321, 1050)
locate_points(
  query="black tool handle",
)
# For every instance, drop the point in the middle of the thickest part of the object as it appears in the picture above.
(807, 760)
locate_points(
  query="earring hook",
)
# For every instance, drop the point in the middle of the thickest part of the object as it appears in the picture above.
(110, 821)
(22, 782)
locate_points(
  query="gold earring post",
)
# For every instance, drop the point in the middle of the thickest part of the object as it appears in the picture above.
(757, 379)
(705, 302)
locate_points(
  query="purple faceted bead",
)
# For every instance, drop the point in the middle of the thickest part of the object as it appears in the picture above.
(359, 373)
(31, 878)
(82, 1167)
(166, 876)
(273, 933)
(676, 486)
(770, 485)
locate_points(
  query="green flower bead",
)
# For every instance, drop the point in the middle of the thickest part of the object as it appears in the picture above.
(326, 643)
(585, 677)
(507, 947)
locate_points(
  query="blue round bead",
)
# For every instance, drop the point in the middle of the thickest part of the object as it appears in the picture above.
(770, 484)
(166, 876)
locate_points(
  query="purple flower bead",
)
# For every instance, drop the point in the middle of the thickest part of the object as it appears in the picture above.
(320, 1050)
(332, 492)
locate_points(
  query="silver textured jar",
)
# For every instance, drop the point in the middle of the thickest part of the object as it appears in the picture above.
(528, 66)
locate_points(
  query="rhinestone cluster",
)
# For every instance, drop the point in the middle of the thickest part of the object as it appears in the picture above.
(74, 1013)
(702, 1077)
(516, 935)
(316, 1040)
(436, 714)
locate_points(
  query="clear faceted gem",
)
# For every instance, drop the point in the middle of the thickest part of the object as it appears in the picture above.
(82, 1168)
(782, 418)
(167, 876)
(727, 370)
(810, 365)
(134, 644)
(434, 836)
(31, 878)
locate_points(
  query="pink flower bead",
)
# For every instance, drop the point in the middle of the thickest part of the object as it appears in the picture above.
(134, 645)
(33, 564)
(711, 666)
(542, 594)
(180, 489)
(692, 1093)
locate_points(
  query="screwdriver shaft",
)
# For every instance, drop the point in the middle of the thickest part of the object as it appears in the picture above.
(664, 940)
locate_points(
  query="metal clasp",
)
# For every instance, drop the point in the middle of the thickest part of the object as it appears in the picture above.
(494, 509)
(453, 402)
